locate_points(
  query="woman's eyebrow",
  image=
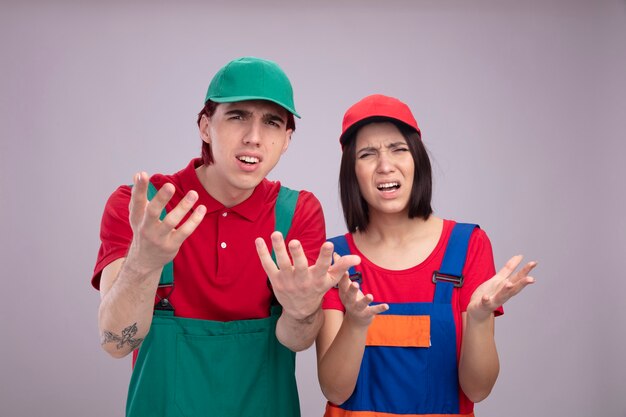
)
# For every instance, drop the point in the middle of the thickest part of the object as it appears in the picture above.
(396, 144)
(367, 149)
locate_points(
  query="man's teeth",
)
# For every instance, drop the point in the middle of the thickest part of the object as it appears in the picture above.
(249, 159)
(388, 186)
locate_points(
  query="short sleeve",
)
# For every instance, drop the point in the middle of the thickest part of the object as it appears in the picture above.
(479, 267)
(115, 232)
(332, 301)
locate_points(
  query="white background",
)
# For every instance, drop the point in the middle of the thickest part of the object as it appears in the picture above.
(522, 105)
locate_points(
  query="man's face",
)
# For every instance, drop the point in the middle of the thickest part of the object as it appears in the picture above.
(247, 139)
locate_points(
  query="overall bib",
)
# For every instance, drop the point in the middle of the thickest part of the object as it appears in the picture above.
(409, 366)
(193, 367)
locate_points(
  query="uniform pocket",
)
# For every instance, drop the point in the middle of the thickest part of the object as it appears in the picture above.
(224, 375)
(400, 331)
(394, 371)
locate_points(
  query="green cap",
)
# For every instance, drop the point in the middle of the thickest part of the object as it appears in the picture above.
(250, 78)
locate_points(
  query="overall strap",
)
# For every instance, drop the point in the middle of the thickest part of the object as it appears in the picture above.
(450, 274)
(283, 214)
(284, 210)
(167, 276)
(341, 248)
(163, 307)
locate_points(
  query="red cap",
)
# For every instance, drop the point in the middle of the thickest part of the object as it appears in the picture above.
(376, 107)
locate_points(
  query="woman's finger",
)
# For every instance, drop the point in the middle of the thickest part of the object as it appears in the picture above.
(523, 273)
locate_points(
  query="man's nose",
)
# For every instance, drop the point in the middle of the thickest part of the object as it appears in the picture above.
(254, 133)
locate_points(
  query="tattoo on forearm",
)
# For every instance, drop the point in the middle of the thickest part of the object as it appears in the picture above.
(127, 337)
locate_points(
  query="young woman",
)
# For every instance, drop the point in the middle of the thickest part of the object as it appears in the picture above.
(411, 331)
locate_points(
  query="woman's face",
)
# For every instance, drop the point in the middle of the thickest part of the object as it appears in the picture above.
(384, 168)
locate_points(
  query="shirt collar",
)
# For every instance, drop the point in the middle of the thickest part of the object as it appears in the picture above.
(248, 209)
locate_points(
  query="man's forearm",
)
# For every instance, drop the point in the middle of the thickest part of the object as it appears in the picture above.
(126, 309)
(299, 334)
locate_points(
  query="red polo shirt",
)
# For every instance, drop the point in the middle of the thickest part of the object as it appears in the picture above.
(217, 273)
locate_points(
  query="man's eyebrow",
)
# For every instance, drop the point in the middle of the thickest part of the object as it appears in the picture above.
(273, 117)
(238, 112)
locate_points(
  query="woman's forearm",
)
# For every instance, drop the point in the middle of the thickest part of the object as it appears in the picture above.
(479, 365)
(339, 367)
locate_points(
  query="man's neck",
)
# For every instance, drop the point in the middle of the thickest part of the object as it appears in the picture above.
(220, 190)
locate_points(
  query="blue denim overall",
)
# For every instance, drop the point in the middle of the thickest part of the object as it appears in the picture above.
(409, 366)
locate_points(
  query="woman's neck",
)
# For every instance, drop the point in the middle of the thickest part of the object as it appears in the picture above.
(397, 242)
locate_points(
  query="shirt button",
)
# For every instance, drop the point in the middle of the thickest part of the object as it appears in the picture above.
(224, 214)
(223, 245)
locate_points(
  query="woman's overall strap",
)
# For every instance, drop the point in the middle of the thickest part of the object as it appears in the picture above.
(342, 249)
(450, 274)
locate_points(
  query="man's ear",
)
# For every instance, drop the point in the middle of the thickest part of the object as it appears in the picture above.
(205, 127)
(288, 134)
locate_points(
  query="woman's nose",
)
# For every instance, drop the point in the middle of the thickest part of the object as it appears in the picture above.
(384, 163)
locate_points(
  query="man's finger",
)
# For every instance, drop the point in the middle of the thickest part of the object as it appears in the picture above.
(300, 261)
(190, 224)
(176, 215)
(138, 198)
(266, 259)
(342, 265)
(322, 264)
(280, 251)
(159, 201)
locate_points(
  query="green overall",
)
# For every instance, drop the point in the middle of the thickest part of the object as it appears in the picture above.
(193, 367)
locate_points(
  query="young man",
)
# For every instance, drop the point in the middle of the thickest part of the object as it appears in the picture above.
(180, 281)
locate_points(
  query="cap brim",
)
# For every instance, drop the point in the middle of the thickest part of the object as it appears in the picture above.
(234, 99)
(372, 119)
